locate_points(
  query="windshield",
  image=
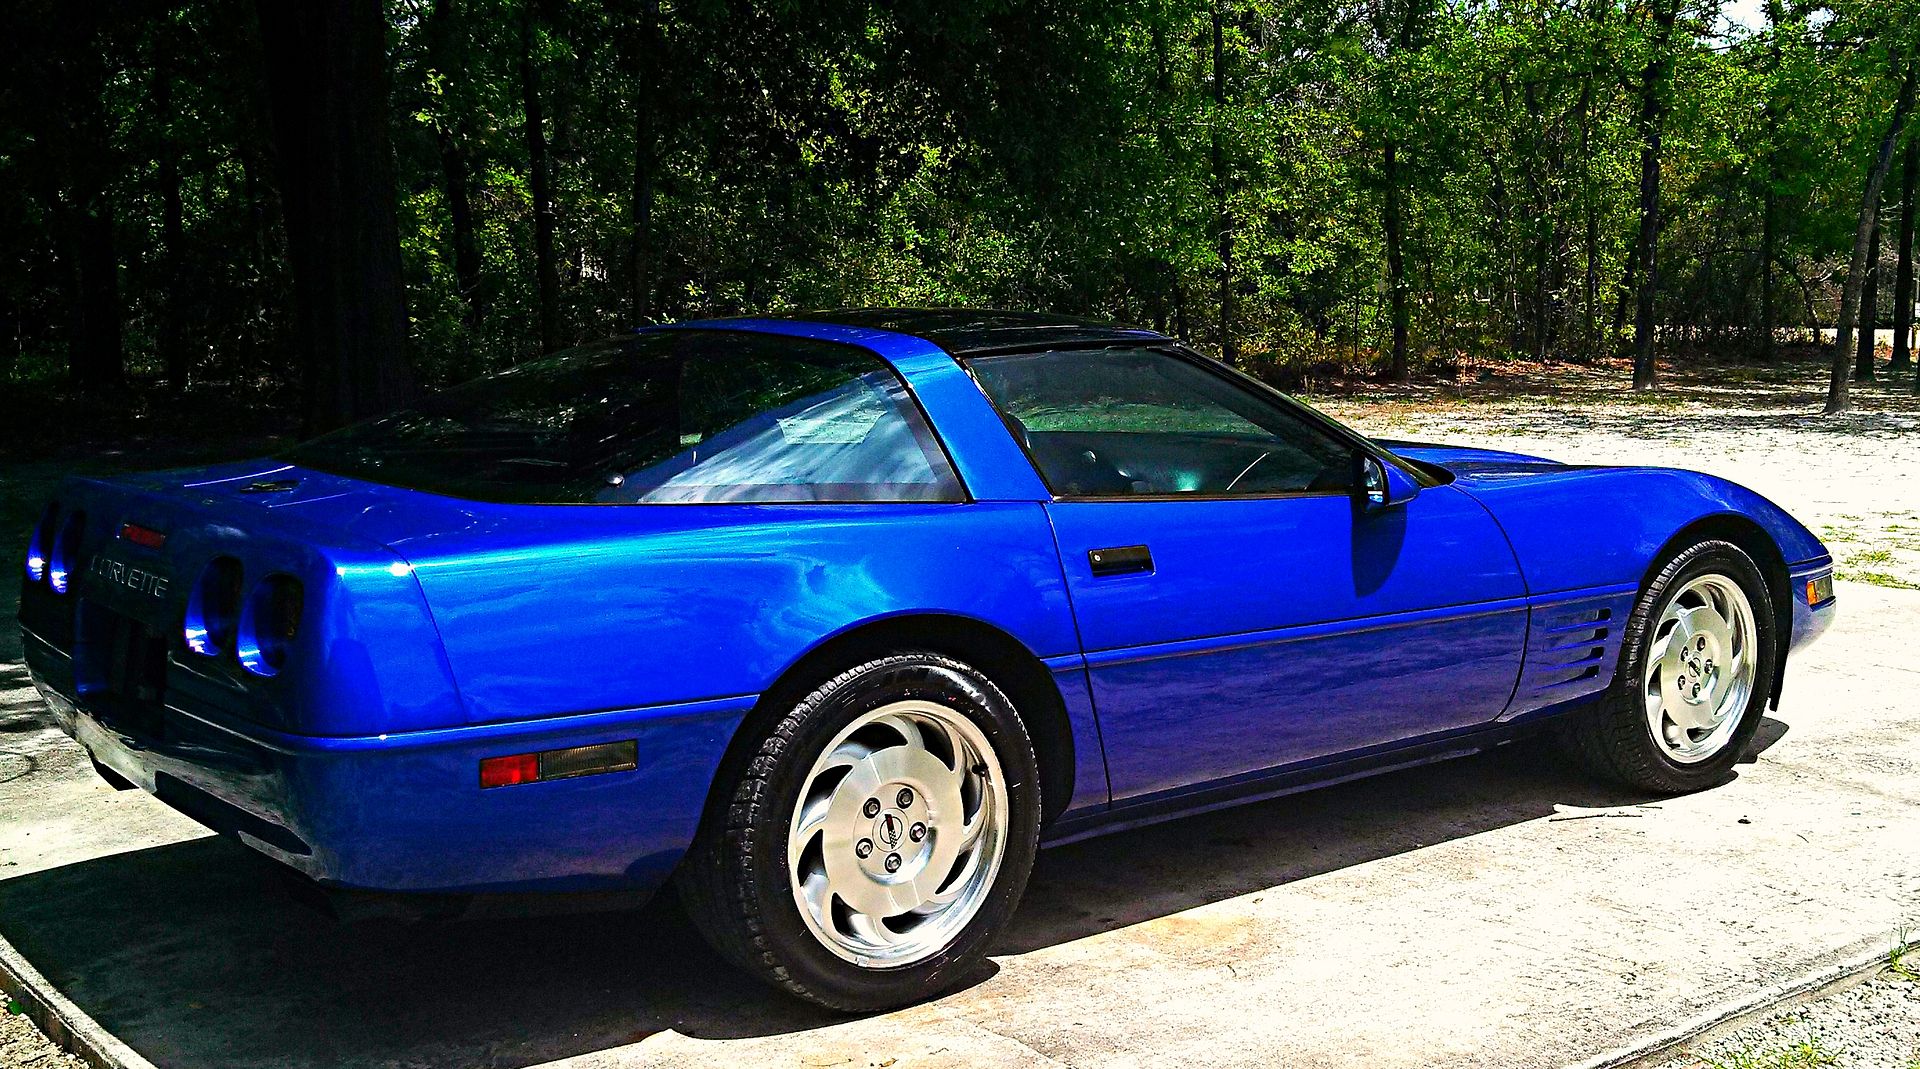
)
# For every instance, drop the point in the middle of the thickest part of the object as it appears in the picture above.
(674, 416)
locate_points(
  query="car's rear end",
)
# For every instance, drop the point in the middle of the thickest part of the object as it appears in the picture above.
(243, 643)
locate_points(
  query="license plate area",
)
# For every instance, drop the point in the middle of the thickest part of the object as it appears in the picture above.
(129, 668)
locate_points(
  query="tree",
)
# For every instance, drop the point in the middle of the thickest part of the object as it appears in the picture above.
(1838, 399)
(1367, 182)
(446, 58)
(1222, 183)
(1869, 306)
(644, 48)
(1400, 35)
(540, 181)
(1903, 268)
(326, 81)
(1646, 256)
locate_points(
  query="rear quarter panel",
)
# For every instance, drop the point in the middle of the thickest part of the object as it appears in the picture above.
(549, 610)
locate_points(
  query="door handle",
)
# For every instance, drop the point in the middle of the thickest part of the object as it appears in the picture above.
(1120, 560)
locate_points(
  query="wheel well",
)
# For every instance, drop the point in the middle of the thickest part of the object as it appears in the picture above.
(1758, 544)
(1003, 658)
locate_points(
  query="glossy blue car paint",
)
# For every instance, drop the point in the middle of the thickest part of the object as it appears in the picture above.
(1275, 643)
(1303, 606)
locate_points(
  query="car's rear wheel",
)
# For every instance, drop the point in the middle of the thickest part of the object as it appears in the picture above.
(878, 838)
(1694, 678)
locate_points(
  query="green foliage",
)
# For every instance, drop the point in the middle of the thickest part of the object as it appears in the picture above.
(719, 156)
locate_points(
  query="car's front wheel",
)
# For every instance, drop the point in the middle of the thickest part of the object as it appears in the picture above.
(877, 840)
(1695, 675)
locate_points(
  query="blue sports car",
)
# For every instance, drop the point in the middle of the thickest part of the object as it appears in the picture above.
(834, 620)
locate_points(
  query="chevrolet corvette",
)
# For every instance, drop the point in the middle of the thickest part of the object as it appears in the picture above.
(831, 622)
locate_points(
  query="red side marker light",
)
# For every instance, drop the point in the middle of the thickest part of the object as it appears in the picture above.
(142, 536)
(594, 760)
(509, 770)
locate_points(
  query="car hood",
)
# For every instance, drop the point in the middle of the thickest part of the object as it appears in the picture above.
(1467, 462)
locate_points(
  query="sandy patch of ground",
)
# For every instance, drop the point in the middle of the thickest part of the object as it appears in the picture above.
(1853, 478)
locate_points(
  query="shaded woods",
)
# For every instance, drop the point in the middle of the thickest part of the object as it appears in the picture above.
(360, 200)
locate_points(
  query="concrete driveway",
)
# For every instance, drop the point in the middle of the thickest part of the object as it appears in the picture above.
(1496, 910)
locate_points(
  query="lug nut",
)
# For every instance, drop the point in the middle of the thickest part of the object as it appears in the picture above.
(917, 832)
(863, 848)
(893, 862)
(1700, 643)
(872, 808)
(904, 798)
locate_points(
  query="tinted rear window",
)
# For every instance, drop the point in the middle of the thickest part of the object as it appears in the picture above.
(662, 417)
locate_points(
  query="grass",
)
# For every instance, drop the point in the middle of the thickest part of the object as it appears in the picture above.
(1806, 1054)
(1882, 579)
(1900, 961)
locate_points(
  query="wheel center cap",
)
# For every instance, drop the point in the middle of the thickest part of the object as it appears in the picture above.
(890, 829)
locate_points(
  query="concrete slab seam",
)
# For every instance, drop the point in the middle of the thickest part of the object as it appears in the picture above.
(1667, 1040)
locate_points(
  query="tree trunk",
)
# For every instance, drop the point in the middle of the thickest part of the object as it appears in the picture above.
(1396, 264)
(171, 340)
(1903, 268)
(1590, 278)
(1542, 225)
(1838, 399)
(1223, 217)
(1767, 254)
(545, 269)
(95, 359)
(1769, 237)
(1647, 249)
(1620, 298)
(457, 183)
(326, 81)
(1869, 307)
(455, 174)
(644, 61)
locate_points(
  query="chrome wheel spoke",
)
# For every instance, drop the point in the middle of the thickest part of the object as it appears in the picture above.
(1699, 669)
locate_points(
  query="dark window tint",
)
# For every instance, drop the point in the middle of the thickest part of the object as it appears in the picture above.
(1131, 422)
(668, 416)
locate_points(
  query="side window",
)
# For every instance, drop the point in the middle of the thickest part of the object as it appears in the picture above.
(1139, 422)
(670, 416)
(779, 429)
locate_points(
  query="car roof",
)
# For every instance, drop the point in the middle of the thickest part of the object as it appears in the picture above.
(976, 331)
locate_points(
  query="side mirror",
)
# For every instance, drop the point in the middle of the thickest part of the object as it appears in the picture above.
(1379, 485)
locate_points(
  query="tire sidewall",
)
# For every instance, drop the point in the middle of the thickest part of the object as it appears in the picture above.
(924, 677)
(1705, 558)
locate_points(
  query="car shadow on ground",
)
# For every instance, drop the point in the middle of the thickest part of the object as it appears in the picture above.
(193, 953)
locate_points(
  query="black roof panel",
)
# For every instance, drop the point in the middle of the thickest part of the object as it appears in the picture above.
(964, 331)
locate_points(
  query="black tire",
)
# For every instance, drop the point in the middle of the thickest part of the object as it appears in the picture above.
(1613, 740)
(734, 882)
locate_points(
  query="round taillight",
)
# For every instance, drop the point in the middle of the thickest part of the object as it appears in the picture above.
(213, 608)
(268, 623)
(63, 557)
(40, 546)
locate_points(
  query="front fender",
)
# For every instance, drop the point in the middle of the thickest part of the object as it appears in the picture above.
(1575, 528)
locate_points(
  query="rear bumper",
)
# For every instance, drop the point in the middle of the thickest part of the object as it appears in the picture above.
(405, 812)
